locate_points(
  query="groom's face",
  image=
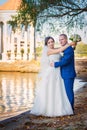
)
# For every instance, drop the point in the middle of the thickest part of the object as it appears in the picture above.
(62, 40)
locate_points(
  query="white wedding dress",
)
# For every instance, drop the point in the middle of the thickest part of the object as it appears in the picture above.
(50, 96)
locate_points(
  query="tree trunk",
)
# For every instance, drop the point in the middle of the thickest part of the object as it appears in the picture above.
(35, 43)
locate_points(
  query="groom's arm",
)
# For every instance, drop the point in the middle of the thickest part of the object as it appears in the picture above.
(66, 59)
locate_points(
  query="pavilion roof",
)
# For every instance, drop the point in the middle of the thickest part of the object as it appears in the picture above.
(10, 5)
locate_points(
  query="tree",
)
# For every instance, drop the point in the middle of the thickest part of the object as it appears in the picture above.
(27, 14)
(68, 12)
(57, 9)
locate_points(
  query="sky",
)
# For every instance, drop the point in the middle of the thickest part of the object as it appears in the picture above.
(3, 1)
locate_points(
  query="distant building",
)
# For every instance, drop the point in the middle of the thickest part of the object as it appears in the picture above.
(18, 45)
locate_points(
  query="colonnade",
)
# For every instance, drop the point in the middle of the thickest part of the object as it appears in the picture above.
(16, 45)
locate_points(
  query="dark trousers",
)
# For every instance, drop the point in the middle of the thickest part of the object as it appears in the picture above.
(69, 90)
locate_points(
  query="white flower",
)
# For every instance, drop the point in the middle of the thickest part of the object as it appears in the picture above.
(62, 54)
(75, 38)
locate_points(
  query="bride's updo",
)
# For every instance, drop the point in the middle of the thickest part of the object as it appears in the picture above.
(47, 39)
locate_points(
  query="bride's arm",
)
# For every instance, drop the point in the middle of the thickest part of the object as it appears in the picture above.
(55, 51)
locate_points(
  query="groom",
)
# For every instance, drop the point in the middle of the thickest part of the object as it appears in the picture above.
(66, 64)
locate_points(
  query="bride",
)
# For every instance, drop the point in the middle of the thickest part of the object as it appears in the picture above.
(50, 96)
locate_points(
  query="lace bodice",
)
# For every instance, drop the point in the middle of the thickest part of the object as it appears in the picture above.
(54, 58)
(45, 63)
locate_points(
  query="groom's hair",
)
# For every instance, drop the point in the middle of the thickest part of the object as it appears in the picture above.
(64, 35)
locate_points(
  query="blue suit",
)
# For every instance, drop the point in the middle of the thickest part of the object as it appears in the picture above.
(68, 73)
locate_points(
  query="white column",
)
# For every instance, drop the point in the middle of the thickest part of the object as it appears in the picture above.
(5, 37)
(1, 40)
(4, 55)
(25, 45)
(31, 42)
(18, 46)
(8, 43)
(8, 38)
(12, 45)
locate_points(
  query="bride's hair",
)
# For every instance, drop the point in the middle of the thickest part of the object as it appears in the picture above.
(47, 39)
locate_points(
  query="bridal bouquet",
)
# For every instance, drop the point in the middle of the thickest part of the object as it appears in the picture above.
(75, 38)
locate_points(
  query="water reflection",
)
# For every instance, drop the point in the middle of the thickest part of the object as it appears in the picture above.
(16, 92)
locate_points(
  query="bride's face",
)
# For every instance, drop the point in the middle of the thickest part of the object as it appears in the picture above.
(50, 43)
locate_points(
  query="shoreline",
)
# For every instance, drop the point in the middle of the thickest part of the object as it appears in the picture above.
(33, 66)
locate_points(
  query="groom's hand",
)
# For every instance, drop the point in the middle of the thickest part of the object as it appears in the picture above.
(52, 64)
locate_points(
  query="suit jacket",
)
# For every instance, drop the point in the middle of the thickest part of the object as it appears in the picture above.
(67, 64)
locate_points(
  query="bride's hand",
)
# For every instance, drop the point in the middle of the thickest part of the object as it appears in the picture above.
(52, 64)
(73, 44)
